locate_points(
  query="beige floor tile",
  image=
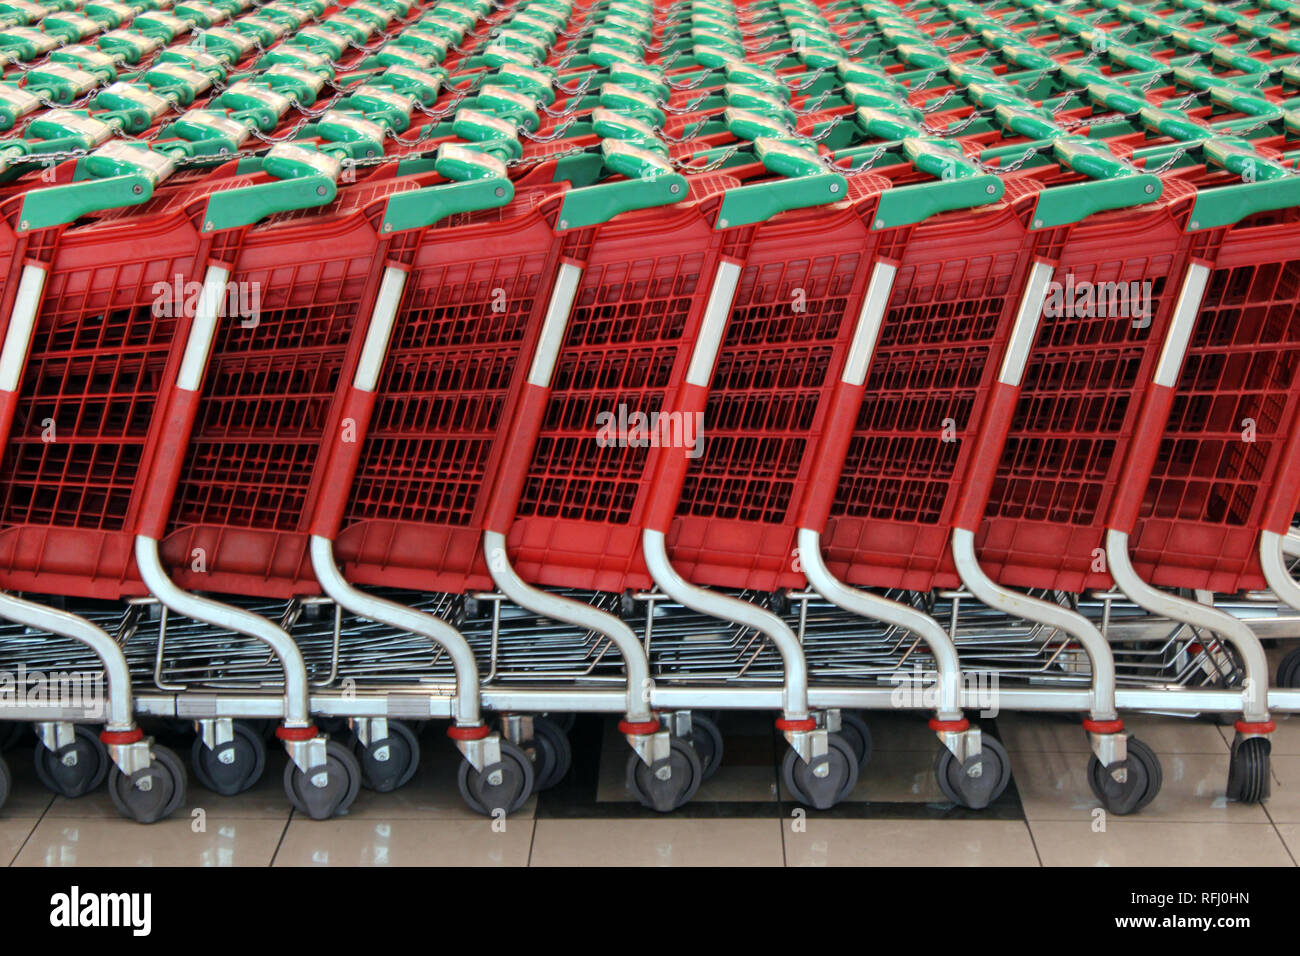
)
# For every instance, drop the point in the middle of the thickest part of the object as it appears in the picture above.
(671, 841)
(13, 833)
(1055, 787)
(909, 843)
(1055, 733)
(1291, 837)
(174, 842)
(1152, 843)
(401, 842)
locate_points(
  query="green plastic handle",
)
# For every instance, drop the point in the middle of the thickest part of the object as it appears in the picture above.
(305, 178)
(421, 208)
(805, 182)
(960, 185)
(655, 185)
(1266, 185)
(60, 205)
(1114, 185)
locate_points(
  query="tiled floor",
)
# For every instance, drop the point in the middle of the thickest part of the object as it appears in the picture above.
(743, 816)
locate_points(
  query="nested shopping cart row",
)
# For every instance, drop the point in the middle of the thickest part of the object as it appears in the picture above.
(737, 425)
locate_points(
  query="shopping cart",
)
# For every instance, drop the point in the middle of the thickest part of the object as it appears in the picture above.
(86, 350)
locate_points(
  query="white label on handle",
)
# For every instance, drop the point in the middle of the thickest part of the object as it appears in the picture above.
(381, 328)
(715, 322)
(557, 319)
(211, 299)
(869, 322)
(1022, 336)
(19, 334)
(1180, 330)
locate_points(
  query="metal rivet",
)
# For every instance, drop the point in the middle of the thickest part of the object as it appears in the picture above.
(1038, 224)
(722, 224)
(208, 224)
(137, 189)
(880, 224)
(990, 189)
(835, 187)
(675, 189)
(1150, 188)
(1195, 224)
(500, 191)
(564, 224)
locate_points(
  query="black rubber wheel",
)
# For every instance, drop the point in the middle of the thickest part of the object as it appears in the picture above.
(246, 754)
(1288, 670)
(706, 738)
(1249, 770)
(343, 782)
(857, 735)
(509, 792)
(822, 793)
(660, 795)
(89, 771)
(1145, 777)
(166, 788)
(11, 732)
(6, 781)
(400, 751)
(554, 753)
(564, 720)
(974, 792)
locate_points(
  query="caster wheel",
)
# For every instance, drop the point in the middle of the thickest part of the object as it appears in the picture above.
(857, 735)
(706, 738)
(664, 796)
(151, 794)
(87, 770)
(500, 788)
(234, 766)
(974, 791)
(554, 753)
(1248, 770)
(1143, 781)
(824, 792)
(11, 732)
(1288, 671)
(343, 780)
(564, 721)
(391, 762)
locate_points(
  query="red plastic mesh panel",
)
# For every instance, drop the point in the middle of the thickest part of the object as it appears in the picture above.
(788, 327)
(627, 343)
(939, 342)
(1236, 400)
(443, 389)
(269, 385)
(620, 348)
(1080, 398)
(473, 302)
(89, 391)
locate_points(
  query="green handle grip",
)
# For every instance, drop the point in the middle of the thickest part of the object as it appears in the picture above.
(591, 205)
(805, 182)
(424, 207)
(960, 185)
(59, 205)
